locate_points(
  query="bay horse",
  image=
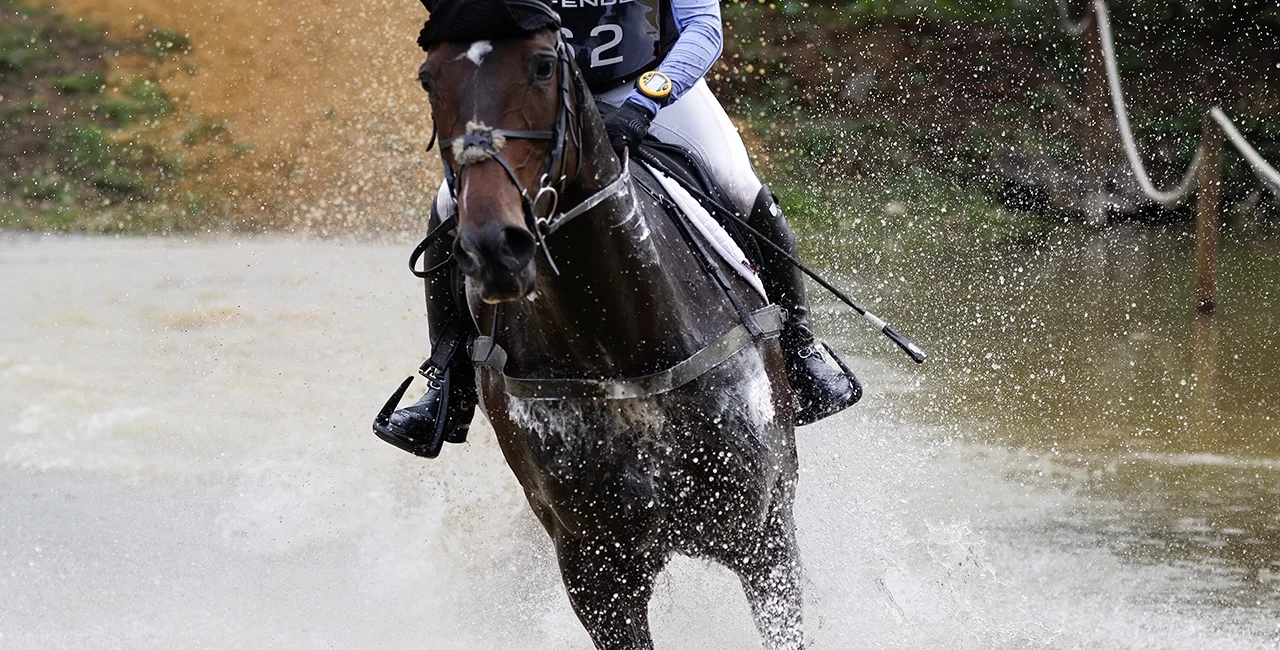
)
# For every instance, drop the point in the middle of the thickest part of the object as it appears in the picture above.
(642, 414)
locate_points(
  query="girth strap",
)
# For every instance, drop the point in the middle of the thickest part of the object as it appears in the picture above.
(489, 355)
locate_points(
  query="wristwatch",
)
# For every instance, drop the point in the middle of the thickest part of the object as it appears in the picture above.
(655, 86)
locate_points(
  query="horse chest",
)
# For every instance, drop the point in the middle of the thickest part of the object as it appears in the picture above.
(692, 449)
(575, 437)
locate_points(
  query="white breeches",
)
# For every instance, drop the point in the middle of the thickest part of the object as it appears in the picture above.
(698, 123)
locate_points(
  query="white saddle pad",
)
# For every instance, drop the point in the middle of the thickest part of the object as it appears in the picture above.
(712, 232)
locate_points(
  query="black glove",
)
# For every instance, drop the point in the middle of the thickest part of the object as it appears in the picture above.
(627, 126)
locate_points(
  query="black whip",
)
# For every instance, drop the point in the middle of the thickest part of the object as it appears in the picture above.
(912, 350)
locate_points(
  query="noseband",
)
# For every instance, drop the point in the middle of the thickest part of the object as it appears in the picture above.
(482, 143)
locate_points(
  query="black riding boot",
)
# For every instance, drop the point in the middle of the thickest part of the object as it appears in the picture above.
(820, 390)
(444, 413)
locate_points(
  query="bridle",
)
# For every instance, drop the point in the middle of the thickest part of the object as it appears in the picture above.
(482, 143)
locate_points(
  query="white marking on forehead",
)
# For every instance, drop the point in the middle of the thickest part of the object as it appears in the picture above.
(476, 52)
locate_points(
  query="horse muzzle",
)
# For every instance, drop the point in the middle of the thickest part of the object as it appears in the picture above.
(498, 258)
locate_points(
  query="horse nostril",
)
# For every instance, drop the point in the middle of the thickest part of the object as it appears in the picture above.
(497, 247)
(468, 263)
(517, 247)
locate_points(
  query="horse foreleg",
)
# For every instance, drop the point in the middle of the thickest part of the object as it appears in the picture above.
(609, 584)
(770, 575)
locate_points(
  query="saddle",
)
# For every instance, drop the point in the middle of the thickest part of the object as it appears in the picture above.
(690, 171)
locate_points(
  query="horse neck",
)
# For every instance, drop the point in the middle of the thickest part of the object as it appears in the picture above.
(629, 298)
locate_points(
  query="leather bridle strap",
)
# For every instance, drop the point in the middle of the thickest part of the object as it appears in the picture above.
(553, 222)
(436, 234)
(481, 144)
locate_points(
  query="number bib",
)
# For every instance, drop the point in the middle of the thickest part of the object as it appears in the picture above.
(616, 40)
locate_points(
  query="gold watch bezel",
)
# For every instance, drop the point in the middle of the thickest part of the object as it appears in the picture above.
(660, 96)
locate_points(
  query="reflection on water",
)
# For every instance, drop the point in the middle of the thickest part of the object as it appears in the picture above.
(1090, 341)
(185, 460)
(1084, 349)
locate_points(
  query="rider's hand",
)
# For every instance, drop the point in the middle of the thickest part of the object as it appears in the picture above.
(627, 126)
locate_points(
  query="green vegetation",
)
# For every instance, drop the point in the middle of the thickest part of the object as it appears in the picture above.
(163, 43)
(89, 149)
(918, 211)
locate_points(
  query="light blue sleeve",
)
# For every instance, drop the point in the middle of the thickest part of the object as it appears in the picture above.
(700, 43)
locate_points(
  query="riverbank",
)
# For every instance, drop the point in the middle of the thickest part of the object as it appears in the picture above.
(998, 98)
(93, 139)
(302, 117)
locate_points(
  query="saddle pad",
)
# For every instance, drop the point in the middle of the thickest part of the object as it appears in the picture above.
(711, 231)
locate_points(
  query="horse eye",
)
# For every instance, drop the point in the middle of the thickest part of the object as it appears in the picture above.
(543, 69)
(428, 83)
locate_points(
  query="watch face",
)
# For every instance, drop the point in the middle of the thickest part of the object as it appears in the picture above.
(654, 84)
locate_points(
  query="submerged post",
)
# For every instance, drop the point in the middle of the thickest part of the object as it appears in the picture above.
(1208, 206)
(1100, 146)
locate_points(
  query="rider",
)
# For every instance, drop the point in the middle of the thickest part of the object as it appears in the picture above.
(646, 58)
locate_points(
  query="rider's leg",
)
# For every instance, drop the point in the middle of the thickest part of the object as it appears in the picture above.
(820, 389)
(444, 413)
(697, 122)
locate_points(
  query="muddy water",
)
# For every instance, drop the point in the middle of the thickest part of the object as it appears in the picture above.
(185, 460)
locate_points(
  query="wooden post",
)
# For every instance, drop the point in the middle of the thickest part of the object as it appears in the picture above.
(1101, 143)
(1208, 207)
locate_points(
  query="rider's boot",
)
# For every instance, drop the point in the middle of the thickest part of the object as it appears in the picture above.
(444, 413)
(820, 390)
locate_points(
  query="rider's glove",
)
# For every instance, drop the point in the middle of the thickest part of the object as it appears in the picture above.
(627, 126)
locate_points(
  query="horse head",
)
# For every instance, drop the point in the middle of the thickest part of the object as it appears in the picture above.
(506, 113)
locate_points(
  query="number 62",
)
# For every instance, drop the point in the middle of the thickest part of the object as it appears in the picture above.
(598, 57)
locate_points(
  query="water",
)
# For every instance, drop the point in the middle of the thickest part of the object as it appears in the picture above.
(185, 460)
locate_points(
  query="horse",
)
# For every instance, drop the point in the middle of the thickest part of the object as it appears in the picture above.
(642, 412)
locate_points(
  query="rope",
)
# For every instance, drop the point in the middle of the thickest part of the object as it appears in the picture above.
(1174, 197)
(1168, 199)
(1266, 173)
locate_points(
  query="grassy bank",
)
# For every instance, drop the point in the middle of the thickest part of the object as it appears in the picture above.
(957, 119)
(92, 150)
(917, 211)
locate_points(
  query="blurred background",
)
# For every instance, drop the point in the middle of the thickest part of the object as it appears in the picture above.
(160, 116)
(198, 116)
(206, 207)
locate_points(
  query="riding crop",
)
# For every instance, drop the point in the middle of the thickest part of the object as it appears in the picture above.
(918, 355)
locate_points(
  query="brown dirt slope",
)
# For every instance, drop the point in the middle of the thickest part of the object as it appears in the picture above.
(324, 91)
